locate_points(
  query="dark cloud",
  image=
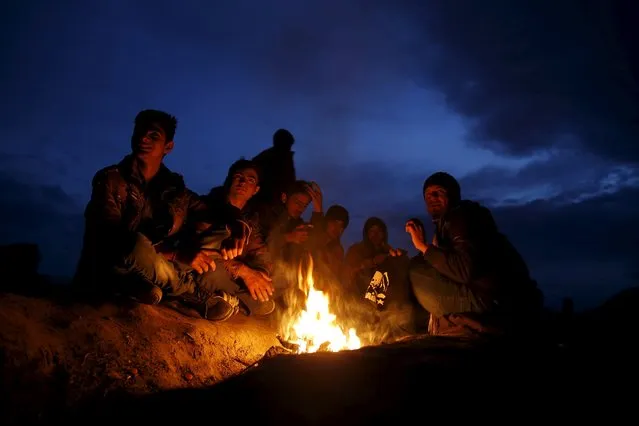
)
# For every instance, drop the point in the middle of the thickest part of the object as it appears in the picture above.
(571, 175)
(530, 75)
(42, 214)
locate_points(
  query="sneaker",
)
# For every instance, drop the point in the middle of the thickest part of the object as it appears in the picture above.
(218, 306)
(221, 306)
(249, 306)
(146, 293)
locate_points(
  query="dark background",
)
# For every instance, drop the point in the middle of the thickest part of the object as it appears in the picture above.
(533, 105)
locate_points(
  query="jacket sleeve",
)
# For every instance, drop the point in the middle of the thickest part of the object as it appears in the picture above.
(198, 210)
(256, 255)
(317, 220)
(457, 263)
(355, 257)
(105, 212)
(276, 241)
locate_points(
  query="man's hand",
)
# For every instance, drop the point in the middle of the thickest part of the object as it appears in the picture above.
(315, 192)
(299, 235)
(417, 235)
(396, 252)
(258, 283)
(235, 245)
(202, 261)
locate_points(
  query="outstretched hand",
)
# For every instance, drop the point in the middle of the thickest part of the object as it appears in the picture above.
(417, 234)
(258, 283)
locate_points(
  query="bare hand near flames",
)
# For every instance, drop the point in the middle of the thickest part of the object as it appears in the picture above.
(258, 283)
(417, 234)
(299, 235)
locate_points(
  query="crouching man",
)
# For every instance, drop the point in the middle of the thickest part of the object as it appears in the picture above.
(246, 274)
(137, 211)
(470, 278)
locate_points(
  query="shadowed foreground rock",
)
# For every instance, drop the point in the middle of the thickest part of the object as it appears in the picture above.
(70, 363)
(57, 354)
(413, 382)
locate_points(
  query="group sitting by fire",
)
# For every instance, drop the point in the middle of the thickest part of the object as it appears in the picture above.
(238, 248)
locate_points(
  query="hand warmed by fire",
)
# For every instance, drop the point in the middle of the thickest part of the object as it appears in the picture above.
(315, 328)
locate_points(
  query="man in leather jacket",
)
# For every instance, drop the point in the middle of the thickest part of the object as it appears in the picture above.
(137, 211)
(248, 274)
(469, 278)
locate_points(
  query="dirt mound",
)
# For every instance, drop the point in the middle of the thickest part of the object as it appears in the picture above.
(411, 382)
(57, 355)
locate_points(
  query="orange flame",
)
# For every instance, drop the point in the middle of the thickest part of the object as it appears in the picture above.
(315, 327)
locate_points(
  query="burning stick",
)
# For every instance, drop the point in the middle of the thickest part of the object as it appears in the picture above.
(288, 345)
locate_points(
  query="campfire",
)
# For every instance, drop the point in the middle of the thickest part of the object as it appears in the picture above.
(315, 327)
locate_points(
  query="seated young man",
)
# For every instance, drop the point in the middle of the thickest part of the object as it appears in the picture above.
(327, 244)
(287, 232)
(246, 275)
(137, 209)
(470, 277)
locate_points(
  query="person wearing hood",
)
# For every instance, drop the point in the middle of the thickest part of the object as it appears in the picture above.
(363, 258)
(470, 277)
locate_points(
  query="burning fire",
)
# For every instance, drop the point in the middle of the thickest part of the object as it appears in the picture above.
(315, 328)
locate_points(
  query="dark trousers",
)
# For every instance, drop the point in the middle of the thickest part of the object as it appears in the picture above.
(439, 295)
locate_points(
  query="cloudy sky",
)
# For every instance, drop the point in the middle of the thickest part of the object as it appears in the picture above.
(533, 105)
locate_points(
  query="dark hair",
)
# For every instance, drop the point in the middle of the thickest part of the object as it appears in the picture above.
(297, 187)
(337, 212)
(145, 119)
(241, 164)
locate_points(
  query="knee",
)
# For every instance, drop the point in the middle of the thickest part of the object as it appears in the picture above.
(218, 279)
(140, 248)
(421, 275)
(423, 286)
(213, 276)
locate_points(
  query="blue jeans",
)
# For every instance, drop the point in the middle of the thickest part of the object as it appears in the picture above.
(142, 262)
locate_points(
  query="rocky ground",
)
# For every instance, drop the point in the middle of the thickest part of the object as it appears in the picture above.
(58, 354)
(78, 363)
